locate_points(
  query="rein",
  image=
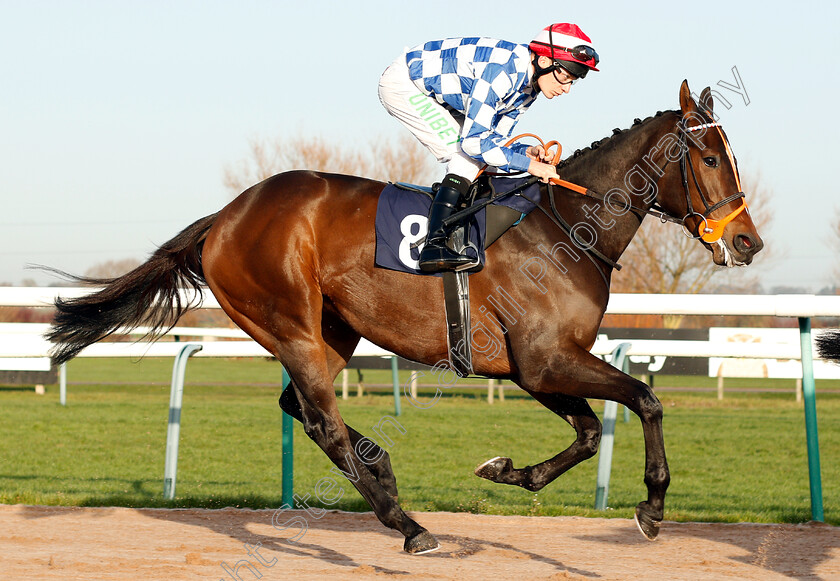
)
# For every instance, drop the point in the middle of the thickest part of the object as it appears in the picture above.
(584, 191)
(708, 230)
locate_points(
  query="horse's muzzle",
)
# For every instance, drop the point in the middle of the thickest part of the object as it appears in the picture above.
(747, 246)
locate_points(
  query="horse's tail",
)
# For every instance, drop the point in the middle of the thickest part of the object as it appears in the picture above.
(148, 295)
(828, 345)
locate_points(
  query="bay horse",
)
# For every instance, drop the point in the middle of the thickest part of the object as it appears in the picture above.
(291, 261)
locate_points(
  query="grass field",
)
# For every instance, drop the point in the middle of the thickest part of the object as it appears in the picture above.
(742, 459)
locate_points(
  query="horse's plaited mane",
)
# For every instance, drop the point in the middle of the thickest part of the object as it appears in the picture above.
(617, 131)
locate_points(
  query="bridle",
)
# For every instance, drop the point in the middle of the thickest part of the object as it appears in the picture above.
(708, 230)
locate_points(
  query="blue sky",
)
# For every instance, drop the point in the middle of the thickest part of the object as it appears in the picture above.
(119, 118)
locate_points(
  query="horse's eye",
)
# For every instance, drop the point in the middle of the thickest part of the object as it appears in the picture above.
(710, 161)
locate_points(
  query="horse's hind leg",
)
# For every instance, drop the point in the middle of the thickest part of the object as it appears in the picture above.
(341, 340)
(309, 360)
(379, 461)
(313, 363)
(323, 424)
(579, 415)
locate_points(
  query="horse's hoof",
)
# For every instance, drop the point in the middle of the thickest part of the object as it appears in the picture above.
(646, 523)
(493, 468)
(421, 543)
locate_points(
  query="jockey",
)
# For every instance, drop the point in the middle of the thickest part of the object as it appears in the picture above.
(462, 97)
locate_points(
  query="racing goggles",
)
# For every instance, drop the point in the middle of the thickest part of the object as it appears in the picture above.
(582, 53)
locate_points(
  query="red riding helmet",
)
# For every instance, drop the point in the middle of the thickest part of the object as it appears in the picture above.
(568, 47)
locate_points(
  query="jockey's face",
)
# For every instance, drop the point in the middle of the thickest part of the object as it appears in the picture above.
(555, 83)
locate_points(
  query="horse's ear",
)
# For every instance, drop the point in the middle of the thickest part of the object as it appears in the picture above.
(687, 104)
(706, 99)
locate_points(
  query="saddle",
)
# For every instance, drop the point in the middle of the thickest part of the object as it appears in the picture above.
(494, 206)
(499, 217)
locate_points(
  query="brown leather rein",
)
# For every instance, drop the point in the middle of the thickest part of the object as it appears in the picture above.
(708, 230)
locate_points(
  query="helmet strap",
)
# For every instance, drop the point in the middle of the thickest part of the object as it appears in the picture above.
(540, 71)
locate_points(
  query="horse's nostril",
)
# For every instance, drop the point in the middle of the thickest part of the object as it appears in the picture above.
(746, 244)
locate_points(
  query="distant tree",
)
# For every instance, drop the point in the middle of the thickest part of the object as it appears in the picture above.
(380, 159)
(197, 318)
(206, 318)
(112, 268)
(661, 259)
(25, 315)
(785, 289)
(834, 244)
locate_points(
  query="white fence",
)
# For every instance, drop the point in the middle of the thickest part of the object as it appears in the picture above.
(26, 346)
(22, 346)
(26, 343)
(620, 304)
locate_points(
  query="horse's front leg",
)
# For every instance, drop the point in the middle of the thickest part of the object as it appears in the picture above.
(579, 415)
(580, 374)
(595, 378)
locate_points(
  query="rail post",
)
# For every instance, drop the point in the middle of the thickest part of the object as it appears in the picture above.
(811, 433)
(173, 432)
(288, 462)
(395, 376)
(618, 359)
(62, 384)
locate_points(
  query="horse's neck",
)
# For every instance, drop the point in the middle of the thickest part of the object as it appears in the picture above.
(617, 166)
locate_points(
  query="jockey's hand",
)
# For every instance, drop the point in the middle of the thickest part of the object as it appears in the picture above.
(538, 153)
(544, 171)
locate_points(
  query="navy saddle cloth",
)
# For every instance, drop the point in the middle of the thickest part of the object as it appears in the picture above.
(402, 221)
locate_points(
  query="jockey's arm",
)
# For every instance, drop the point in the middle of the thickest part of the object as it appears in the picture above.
(482, 140)
(544, 171)
(539, 165)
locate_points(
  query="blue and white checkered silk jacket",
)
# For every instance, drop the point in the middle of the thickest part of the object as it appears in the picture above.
(484, 81)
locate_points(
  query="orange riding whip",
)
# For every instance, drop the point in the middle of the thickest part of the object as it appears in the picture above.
(554, 161)
(556, 218)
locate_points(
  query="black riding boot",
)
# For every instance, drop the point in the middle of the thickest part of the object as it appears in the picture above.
(436, 255)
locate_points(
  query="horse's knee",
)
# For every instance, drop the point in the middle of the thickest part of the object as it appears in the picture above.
(589, 437)
(591, 442)
(325, 432)
(334, 436)
(315, 431)
(658, 477)
(650, 408)
(382, 458)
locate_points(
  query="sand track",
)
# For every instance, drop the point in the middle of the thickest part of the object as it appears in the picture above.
(39, 542)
